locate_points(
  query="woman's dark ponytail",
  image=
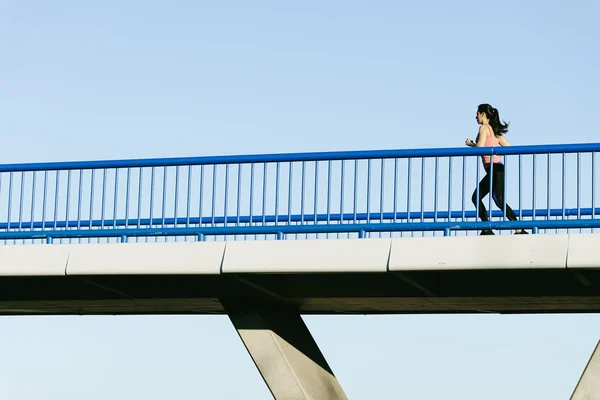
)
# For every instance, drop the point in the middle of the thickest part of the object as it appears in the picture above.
(499, 128)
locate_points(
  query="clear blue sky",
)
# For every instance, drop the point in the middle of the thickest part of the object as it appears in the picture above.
(182, 78)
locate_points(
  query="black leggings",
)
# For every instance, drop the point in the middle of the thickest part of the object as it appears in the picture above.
(497, 192)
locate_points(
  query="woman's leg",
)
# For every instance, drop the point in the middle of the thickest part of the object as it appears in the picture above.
(484, 189)
(498, 195)
(498, 192)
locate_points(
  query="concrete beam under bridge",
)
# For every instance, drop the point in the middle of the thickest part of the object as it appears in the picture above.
(284, 351)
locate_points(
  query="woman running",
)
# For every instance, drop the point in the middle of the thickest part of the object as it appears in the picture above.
(491, 134)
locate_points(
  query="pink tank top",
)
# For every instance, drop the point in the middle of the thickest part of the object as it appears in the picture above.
(491, 141)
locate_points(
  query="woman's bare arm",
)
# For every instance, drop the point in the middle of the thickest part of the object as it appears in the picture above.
(481, 137)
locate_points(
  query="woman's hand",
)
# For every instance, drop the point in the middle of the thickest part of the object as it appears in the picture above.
(470, 143)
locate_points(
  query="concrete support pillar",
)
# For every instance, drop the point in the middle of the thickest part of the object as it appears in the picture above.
(284, 351)
(588, 387)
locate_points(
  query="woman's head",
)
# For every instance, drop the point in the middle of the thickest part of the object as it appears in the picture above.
(489, 114)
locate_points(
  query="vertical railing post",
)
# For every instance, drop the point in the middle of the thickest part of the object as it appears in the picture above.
(491, 193)
(277, 173)
(564, 185)
(435, 190)
(226, 206)
(408, 194)
(290, 187)
(520, 188)
(463, 188)
(189, 197)
(382, 192)
(549, 187)
(533, 191)
(579, 187)
(395, 208)
(477, 191)
(164, 197)
(368, 191)
(449, 190)
(505, 197)
(593, 187)
(342, 179)
(176, 202)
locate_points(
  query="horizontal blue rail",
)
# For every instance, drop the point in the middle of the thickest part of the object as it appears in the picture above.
(285, 195)
(299, 157)
(360, 217)
(360, 229)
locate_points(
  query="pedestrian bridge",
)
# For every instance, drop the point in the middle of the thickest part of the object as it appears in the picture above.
(264, 238)
(390, 231)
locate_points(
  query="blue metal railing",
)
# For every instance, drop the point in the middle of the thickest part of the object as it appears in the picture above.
(331, 194)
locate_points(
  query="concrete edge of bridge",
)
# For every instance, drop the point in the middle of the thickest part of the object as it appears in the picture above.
(572, 251)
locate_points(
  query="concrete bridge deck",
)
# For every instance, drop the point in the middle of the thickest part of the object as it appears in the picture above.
(501, 274)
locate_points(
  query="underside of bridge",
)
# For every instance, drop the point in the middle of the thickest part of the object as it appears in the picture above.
(265, 309)
(432, 291)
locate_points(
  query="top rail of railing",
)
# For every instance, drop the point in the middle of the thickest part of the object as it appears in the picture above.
(305, 156)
